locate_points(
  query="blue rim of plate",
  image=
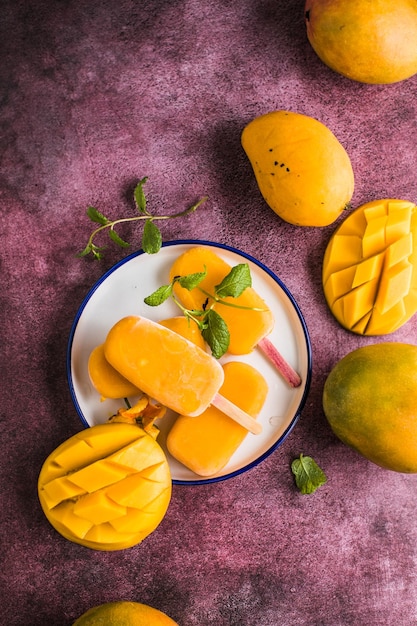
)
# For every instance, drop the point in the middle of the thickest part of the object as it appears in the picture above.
(281, 439)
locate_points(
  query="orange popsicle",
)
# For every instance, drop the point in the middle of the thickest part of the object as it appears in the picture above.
(248, 328)
(206, 443)
(169, 368)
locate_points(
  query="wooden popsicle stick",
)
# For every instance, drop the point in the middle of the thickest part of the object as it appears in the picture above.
(284, 368)
(236, 414)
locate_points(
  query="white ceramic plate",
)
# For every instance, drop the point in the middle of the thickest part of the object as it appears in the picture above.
(121, 291)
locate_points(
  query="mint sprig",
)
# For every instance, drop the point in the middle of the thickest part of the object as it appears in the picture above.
(308, 475)
(151, 236)
(210, 323)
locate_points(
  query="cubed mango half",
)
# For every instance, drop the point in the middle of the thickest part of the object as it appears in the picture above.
(370, 268)
(107, 487)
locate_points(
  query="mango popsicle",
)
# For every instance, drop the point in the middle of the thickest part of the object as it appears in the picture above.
(186, 328)
(206, 443)
(110, 384)
(169, 368)
(105, 379)
(248, 328)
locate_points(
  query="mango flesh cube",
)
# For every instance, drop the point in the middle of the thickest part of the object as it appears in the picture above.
(348, 248)
(373, 240)
(68, 523)
(136, 492)
(359, 301)
(138, 457)
(397, 222)
(206, 443)
(246, 327)
(105, 534)
(60, 489)
(141, 521)
(97, 475)
(89, 446)
(394, 286)
(125, 476)
(399, 250)
(368, 270)
(98, 507)
(387, 321)
(339, 283)
(362, 325)
(166, 366)
(371, 289)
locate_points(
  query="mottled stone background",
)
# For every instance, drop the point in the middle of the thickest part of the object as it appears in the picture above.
(95, 95)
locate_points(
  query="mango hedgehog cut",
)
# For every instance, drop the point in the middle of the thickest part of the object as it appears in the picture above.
(370, 268)
(107, 487)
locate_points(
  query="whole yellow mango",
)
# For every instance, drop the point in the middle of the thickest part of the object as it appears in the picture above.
(370, 402)
(107, 487)
(370, 267)
(124, 613)
(370, 41)
(303, 172)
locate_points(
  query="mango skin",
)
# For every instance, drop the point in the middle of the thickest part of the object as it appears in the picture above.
(124, 613)
(369, 41)
(370, 402)
(303, 172)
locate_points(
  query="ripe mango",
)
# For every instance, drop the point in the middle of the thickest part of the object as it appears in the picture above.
(370, 267)
(370, 402)
(370, 41)
(107, 487)
(124, 613)
(303, 172)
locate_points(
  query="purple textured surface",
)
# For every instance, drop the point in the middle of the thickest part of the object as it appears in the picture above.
(96, 95)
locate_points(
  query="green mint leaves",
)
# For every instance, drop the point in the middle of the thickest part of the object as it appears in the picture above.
(212, 326)
(308, 475)
(215, 333)
(235, 282)
(151, 236)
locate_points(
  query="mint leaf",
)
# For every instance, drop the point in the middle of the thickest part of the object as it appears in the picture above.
(96, 216)
(216, 333)
(159, 296)
(235, 283)
(117, 239)
(139, 196)
(191, 281)
(308, 475)
(151, 238)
